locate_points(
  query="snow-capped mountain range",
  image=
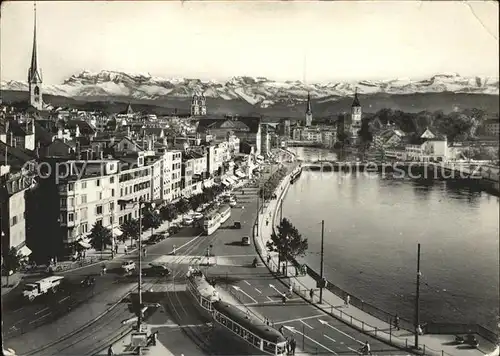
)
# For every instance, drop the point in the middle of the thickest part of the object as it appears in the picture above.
(257, 91)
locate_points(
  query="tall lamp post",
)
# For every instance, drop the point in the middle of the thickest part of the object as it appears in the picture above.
(141, 204)
(417, 300)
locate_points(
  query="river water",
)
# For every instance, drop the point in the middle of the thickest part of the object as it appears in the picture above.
(372, 227)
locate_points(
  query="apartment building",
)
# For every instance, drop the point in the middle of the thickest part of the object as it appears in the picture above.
(176, 174)
(13, 228)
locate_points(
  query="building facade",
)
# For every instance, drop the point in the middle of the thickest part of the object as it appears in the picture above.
(198, 105)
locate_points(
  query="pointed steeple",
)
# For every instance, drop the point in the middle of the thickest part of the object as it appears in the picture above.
(34, 73)
(308, 108)
(355, 102)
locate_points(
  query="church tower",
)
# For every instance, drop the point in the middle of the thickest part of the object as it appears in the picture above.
(309, 114)
(34, 75)
(195, 109)
(203, 105)
(355, 115)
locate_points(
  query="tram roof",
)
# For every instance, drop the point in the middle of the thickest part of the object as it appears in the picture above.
(224, 208)
(249, 322)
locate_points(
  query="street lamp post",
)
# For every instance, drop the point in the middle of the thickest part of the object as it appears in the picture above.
(141, 204)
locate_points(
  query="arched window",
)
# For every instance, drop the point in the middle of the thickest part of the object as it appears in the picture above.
(37, 90)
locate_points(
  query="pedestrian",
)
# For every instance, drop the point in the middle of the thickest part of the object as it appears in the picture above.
(282, 330)
(293, 345)
(267, 222)
(125, 249)
(144, 251)
(396, 322)
(174, 248)
(290, 290)
(110, 350)
(155, 337)
(283, 268)
(116, 249)
(268, 259)
(419, 330)
(311, 294)
(347, 300)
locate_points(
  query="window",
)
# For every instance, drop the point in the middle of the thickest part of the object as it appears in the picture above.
(98, 210)
(63, 202)
(83, 228)
(71, 217)
(98, 183)
(84, 185)
(100, 195)
(71, 202)
(71, 187)
(112, 192)
(112, 179)
(14, 221)
(99, 222)
(83, 213)
(84, 198)
(111, 220)
(111, 206)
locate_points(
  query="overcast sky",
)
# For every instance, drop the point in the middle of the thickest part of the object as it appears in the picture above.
(315, 41)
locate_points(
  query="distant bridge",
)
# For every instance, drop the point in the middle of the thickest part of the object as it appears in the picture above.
(294, 143)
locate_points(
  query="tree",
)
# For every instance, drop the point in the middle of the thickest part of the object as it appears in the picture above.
(100, 236)
(151, 219)
(182, 206)
(195, 201)
(130, 229)
(11, 262)
(169, 212)
(287, 242)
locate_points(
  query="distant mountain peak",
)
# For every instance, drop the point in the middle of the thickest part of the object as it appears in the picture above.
(256, 91)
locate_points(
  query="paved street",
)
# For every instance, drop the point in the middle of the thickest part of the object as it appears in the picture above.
(22, 321)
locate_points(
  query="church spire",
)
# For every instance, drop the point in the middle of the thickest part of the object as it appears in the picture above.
(355, 102)
(308, 108)
(34, 73)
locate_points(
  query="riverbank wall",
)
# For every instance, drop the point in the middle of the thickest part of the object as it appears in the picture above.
(386, 316)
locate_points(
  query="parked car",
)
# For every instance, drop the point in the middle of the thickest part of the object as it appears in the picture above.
(128, 266)
(174, 229)
(197, 216)
(155, 239)
(187, 220)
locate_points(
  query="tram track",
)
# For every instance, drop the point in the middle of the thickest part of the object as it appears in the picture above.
(112, 314)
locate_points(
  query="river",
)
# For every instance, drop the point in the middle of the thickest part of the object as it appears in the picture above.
(372, 227)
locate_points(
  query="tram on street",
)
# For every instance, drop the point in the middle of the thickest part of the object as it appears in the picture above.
(225, 213)
(250, 329)
(246, 327)
(211, 222)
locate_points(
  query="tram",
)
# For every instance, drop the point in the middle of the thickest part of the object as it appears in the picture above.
(225, 213)
(211, 222)
(246, 327)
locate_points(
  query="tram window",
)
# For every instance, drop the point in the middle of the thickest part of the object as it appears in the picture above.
(236, 329)
(229, 324)
(270, 347)
(256, 342)
(217, 316)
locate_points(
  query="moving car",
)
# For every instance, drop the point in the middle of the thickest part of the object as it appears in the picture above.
(156, 269)
(173, 229)
(128, 266)
(245, 241)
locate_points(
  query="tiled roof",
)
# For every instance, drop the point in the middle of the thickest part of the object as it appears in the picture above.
(84, 126)
(16, 157)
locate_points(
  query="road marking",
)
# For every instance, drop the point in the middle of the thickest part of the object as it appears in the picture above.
(15, 311)
(272, 300)
(356, 351)
(258, 291)
(17, 322)
(329, 338)
(62, 300)
(41, 311)
(229, 256)
(309, 326)
(249, 296)
(43, 316)
(299, 319)
(292, 329)
(247, 283)
(340, 331)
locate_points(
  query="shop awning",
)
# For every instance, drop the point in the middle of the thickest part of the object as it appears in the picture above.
(240, 174)
(117, 232)
(226, 183)
(84, 244)
(24, 251)
(232, 179)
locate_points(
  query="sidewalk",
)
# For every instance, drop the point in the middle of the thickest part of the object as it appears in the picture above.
(14, 281)
(123, 347)
(335, 306)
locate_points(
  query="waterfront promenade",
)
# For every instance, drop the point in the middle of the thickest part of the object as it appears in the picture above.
(334, 305)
